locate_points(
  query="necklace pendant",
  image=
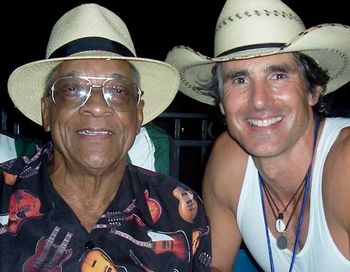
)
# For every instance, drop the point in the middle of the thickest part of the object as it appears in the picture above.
(280, 226)
(282, 242)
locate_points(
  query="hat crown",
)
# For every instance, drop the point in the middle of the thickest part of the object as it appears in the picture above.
(89, 20)
(271, 21)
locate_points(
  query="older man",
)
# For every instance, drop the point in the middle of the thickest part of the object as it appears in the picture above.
(77, 205)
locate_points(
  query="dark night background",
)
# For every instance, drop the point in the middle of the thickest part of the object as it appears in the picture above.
(155, 27)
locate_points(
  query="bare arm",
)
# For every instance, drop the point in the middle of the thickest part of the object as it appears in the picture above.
(221, 188)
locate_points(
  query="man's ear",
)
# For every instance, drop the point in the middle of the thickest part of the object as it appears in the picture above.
(140, 115)
(222, 109)
(315, 95)
(45, 117)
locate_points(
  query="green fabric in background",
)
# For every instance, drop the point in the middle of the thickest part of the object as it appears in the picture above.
(161, 141)
(24, 147)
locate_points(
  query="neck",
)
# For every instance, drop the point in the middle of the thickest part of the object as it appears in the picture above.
(90, 200)
(91, 191)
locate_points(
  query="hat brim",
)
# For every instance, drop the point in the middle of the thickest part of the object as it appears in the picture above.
(328, 44)
(159, 81)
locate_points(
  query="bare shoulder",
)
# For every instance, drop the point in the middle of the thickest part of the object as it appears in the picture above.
(336, 179)
(225, 170)
(227, 149)
(338, 159)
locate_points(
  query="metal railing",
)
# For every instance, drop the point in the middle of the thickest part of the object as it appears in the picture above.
(193, 135)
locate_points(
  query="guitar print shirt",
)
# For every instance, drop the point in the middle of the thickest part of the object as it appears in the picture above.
(154, 223)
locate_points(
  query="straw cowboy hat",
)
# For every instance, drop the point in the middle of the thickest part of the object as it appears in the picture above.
(253, 28)
(90, 31)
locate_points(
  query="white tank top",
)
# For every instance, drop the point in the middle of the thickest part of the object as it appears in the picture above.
(319, 252)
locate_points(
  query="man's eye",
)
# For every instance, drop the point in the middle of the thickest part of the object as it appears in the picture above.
(69, 90)
(239, 80)
(118, 90)
(280, 76)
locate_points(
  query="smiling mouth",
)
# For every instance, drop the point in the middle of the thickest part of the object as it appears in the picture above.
(94, 132)
(265, 122)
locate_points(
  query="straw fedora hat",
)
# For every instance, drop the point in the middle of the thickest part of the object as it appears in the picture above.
(253, 28)
(91, 31)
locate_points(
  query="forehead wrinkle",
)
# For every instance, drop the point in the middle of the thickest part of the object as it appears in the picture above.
(91, 67)
(93, 78)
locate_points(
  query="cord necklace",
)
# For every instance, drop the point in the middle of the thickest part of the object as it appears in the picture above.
(281, 227)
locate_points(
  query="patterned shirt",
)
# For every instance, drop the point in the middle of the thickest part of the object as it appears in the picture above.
(154, 223)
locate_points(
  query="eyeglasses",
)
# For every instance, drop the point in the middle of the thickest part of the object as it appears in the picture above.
(72, 92)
